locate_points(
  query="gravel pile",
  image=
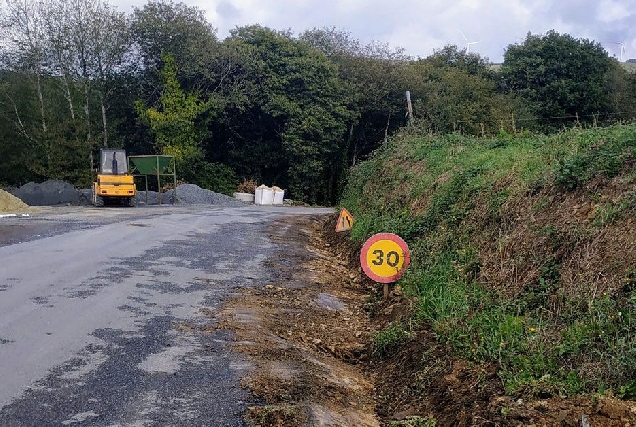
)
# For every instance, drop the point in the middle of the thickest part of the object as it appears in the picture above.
(52, 192)
(190, 194)
(153, 198)
(48, 193)
(10, 203)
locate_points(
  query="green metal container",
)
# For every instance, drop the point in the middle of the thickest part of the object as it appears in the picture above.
(154, 165)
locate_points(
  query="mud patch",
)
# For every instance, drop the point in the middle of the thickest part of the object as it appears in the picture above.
(304, 334)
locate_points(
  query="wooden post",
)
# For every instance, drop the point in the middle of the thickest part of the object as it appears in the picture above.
(409, 108)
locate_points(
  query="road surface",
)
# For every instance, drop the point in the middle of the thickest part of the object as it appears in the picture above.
(107, 316)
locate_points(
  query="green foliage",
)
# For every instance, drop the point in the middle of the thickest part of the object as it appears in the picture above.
(450, 56)
(604, 157)
(560, 76)
(415, 421)
(39, 141)
(164, 27)
(388, 339)
(610, 212)
(454, 91)
(621, 89)
(273, 415)
(429, 189)
(627, 391)
(294, 114)
(173, 124)
(374, 82)
(213, 176)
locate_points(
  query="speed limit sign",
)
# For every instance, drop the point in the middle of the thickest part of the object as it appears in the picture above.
(384, 257)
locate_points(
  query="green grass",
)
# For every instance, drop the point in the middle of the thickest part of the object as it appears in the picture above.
(426, 189)
(414, 421)
(385, 341)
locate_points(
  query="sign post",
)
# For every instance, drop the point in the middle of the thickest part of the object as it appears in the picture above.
(384, 258)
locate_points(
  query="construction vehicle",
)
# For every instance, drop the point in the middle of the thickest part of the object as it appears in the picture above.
(114, 185)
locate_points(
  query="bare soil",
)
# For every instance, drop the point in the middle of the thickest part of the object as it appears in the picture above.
(553, 226)
(307, 335)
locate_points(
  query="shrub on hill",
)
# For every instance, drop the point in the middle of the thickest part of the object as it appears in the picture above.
(523, 249)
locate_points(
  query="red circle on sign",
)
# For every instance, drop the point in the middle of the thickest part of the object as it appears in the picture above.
(376, 238)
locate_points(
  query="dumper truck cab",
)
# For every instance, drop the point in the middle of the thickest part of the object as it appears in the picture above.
(114, 185)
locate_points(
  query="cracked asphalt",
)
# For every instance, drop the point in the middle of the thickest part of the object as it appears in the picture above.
(107, 316)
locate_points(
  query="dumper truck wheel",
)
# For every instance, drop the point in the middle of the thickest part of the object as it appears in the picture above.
(98, 201)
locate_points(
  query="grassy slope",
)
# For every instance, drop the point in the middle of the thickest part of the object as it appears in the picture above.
(523, 250)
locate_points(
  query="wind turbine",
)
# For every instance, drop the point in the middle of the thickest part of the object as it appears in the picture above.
(622, 54)
(468, 43)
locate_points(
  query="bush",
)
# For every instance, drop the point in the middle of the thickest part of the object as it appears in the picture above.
(212, 176)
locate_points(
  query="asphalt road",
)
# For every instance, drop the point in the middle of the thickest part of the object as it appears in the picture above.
(107, 315)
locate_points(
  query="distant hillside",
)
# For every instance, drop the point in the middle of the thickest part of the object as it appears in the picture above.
(523, 252)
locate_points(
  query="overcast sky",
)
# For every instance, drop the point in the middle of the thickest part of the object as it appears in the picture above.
(420, 26)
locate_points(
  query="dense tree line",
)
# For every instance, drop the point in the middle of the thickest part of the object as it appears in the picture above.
(295, 111)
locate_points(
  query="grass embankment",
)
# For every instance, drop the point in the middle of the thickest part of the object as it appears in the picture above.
(523, 251)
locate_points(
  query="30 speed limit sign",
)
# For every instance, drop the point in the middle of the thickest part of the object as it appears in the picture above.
(384, 257)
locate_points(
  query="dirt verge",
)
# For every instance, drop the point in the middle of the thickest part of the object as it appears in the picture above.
(305, 332)
(307, 335)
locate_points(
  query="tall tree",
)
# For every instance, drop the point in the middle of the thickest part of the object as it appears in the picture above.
(560, 76)
(164, 27)
(454, 91)
(374, 89)
(172, 121)
(621, 87)
(25, 25)
(450, 56)
(71, 48)
(288, 124)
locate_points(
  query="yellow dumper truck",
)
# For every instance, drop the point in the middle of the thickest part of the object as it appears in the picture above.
(114, 184)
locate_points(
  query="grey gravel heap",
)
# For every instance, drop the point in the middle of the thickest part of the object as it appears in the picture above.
(190, 194)
(48, 193)
(53, 192)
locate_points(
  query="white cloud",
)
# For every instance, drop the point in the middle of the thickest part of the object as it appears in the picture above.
(422, 26)
(611, 11)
